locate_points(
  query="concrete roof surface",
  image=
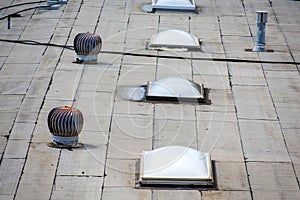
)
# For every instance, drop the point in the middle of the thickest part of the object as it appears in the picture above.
(251, 128)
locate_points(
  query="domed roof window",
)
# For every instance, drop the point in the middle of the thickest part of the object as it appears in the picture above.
(174, 39)
(175, 165)
(174, 4)
(174, 88)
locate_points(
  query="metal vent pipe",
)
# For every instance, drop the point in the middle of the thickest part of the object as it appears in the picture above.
(261, 20)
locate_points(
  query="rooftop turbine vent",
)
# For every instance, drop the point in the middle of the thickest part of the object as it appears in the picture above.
(87, 47)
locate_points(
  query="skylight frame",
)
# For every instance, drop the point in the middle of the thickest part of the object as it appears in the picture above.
(152, 95)
(156, 41)
(145, 180)
(157, 5)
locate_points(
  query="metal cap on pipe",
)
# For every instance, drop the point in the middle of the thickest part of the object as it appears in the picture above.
(261, 16)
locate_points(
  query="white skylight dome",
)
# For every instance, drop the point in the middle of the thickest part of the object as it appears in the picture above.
(176, 165)
(174, 4)
(174, 39)
(174, 88)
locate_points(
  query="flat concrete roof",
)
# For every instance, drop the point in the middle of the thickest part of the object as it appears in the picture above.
(251, 128)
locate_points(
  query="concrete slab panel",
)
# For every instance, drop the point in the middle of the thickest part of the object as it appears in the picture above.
(123, 148)
(231, 176)
(6, 121)
(214, 82)
(83, 163)
(276, 195)
(14, 86)
(39, 172)
(248, 95)
(268, 176)
(248, 81)
(133, 108)
(120, 173)
(6, 196)
(289, 115)
(174, 111)
(216, 116)
(100, 123)
(246, 70)
(10, 102)
(292, 140)
(38, 86)
(32, 103)
(77, 188)
(256, 112)
(209, 68)
(3, 142)
(226, 195)
(127, 193)
(177, 195)
(175, 132)
(27, 116)
(26, 54)
(220, 139)
(132, 126)
(12, 152)
(263, 141)
(10, 172)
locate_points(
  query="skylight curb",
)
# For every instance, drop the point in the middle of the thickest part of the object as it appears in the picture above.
(174, 40)
(185, 5)
(176, 165)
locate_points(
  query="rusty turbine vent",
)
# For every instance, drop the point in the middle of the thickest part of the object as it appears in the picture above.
(65, 124)
(87, 47)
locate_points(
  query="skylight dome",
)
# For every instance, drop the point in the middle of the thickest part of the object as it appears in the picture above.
(174, 39)
(175, 165)
(174, 88)
(174, 4)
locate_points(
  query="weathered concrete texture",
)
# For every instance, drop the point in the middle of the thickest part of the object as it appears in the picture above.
(10, 172)
(251, 128)
(20, 54)
(276, 195)
(292, 140)
(247, 74)
(127, 130)
(254, 103)
(173, 194)
(175, 132)
(133, 108)
(10, 102)
(289, 116)
(263, 141)
(221, 139)
(6, 121)
(120, 173)
(12, 152)
(226, 195)
(6, 197)
(39, 172)
(88, 161)
(175, 111)
(3, 142)
(231, 176)
(125, 193)
(268, 176)
(68, 187)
